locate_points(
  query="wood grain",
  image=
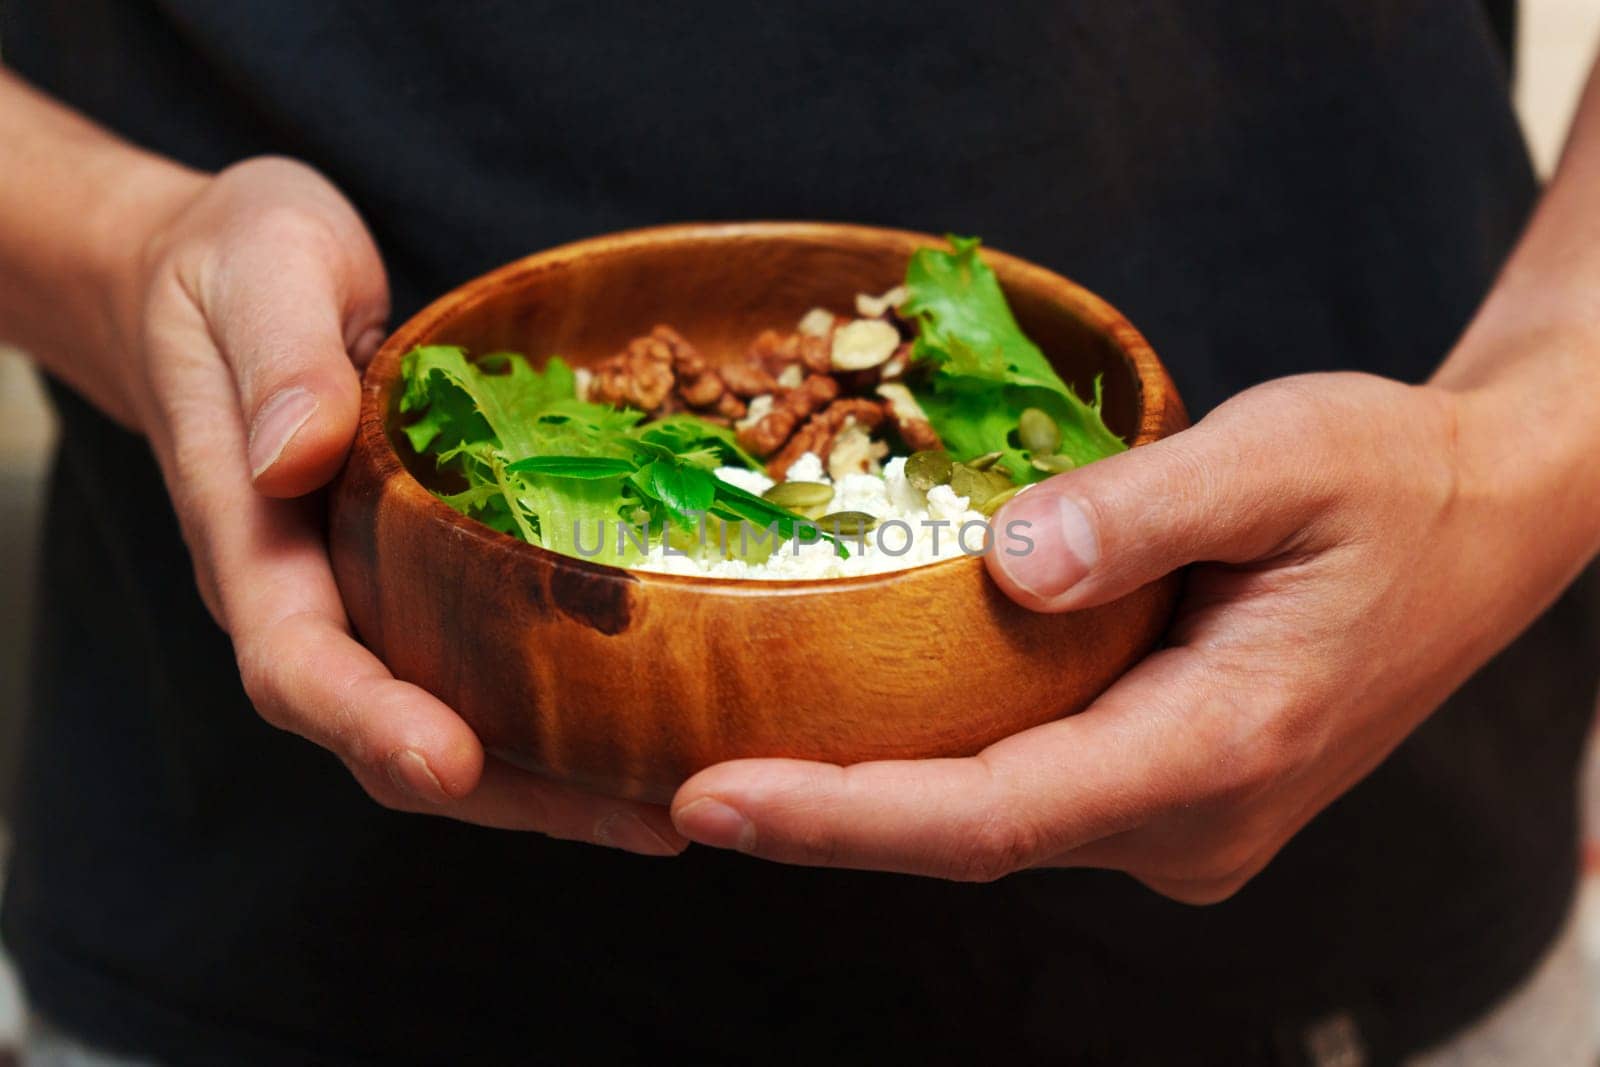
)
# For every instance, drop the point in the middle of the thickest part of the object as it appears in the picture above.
(629, 682)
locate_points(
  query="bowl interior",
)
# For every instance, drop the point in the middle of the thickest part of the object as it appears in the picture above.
(719, 286)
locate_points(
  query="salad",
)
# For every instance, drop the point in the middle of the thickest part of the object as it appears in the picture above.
(852, 444)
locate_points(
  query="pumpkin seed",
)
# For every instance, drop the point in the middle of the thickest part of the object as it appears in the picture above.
(924, 470)
(1038, 432)
(985, 461)
(1053, 464)
(847, 523)
(805, 498)
(978, 485)
(974, 485)
(994, 503)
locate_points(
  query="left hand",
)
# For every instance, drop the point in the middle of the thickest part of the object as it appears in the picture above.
(1352, 570)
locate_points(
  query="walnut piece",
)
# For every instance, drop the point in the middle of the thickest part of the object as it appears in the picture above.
(701, 391)
(789, 410)
(641, 375)
(797, 392)
(760, 407)
(909, 418)
(855, 452)
(748, 380)
(775, 351)
(822, 429)
(661, 373)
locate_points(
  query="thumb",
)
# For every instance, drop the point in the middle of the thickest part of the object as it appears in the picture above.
(1221, 491)
(293, 306)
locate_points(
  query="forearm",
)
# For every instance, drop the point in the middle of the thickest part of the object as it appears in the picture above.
(1525, 379)
(75, 206)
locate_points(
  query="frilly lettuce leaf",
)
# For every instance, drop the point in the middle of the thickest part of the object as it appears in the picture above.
(557, 471)
(983, 372)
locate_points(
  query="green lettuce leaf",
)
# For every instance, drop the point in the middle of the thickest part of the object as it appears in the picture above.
(983, 372)
(557, 471)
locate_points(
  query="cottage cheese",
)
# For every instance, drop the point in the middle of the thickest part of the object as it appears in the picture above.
(914, 529)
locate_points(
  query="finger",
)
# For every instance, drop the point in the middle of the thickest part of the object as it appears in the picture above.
(264, 568)
(1141, 749)
(1230, 489)
(292, 304)
(304, 672)
(1213, 883)
(510, 799)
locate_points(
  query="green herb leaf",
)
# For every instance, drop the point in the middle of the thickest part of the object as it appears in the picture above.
(588, 467)
(739, 504)
(682, 490)
(685, 435)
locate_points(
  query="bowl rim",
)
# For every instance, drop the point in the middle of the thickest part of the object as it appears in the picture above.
(1156, 392)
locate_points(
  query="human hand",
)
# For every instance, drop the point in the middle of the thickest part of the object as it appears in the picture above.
(1359, 552)
(240, 315)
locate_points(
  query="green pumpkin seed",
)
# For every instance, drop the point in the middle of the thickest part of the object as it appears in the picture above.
(847, 523)
(924, 470)
(978, 485)
(804, 498)
(974, 485)
(1038, 432)
(1053, 464)
(985, 461)
(994, 503)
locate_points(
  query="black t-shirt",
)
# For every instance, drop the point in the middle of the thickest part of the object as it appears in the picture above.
(1263, 188)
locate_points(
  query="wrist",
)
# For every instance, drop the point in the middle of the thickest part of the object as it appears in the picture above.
(124, 240)
(1526, 417)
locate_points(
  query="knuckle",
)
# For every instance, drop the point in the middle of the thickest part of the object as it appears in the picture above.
(820, 849)
(1188, 483)
(1248, 769)
(1226, 860)
(1209, 877)
(377, 785)
(1244, 767)
(999, 845)
(296, 229)
(210, 591)
(1261, 732)
(1201, 894)
(260, 682)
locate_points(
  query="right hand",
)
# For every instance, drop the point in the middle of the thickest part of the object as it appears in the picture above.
(243, 315)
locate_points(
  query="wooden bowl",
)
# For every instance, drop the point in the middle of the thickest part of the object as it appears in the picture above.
(629, 682)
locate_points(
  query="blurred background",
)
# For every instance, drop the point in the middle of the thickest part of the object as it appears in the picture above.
(1556, 42)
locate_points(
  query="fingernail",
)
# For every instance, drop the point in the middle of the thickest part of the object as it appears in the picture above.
(711, 822)
(411, 775)
(625, 830)
(367, 346)
(279, 419)
(1064, 549)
